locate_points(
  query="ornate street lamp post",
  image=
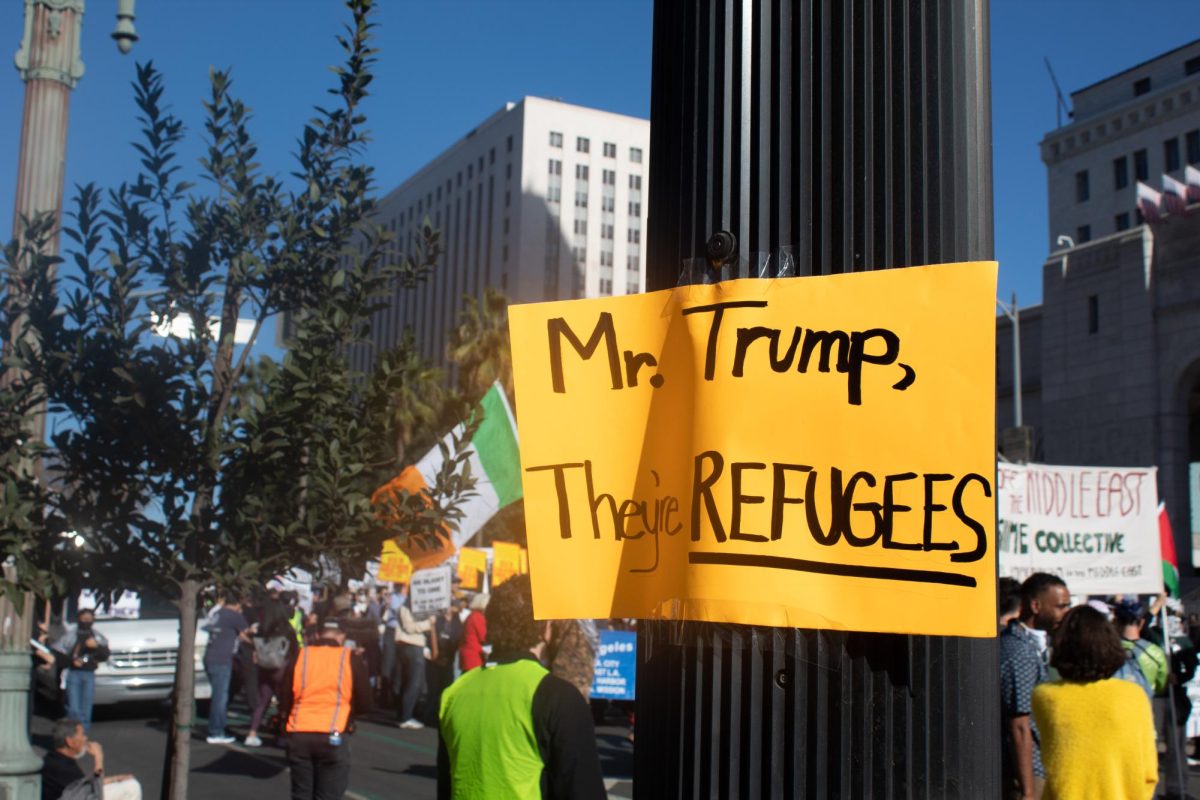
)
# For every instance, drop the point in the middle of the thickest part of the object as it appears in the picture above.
(50, 63)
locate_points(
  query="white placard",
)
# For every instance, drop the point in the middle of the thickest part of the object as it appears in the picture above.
(1095, 527)
(128, 606)
(430, 590)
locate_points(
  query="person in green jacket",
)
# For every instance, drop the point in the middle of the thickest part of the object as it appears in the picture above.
(1150, 658)
(511, 729)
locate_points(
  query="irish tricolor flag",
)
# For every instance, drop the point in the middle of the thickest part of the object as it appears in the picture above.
(1167, 542)
(495, 463)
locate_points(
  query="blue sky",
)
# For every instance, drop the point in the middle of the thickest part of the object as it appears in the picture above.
(446, 65)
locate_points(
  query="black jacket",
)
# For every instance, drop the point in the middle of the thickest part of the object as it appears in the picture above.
(566, 739)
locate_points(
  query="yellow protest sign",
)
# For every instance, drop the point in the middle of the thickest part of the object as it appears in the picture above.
(524, 564)
(472, 565)
(394, 564)
(506, 562)
(815, 452)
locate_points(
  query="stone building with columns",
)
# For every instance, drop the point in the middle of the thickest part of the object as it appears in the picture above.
(1111, 358)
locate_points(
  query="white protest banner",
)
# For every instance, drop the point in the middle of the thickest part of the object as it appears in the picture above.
(1095, 527)
(430, 590)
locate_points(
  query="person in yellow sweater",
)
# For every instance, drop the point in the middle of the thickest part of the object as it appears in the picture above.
(1097, 732)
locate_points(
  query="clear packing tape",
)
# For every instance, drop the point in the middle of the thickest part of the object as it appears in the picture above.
(669, 630)
(758, 264)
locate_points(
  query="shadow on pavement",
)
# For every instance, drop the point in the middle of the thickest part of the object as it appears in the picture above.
(235, 763)
(148, 710)
(415, 770)
(616, 752)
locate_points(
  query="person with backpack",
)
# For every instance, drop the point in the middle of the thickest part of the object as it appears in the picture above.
(1131, 617)
(1131, 620)
(274, 645)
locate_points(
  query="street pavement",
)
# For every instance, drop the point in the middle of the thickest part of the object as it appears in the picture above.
(387, 762)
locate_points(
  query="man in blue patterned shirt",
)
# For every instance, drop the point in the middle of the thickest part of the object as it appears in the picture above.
(1024, 655)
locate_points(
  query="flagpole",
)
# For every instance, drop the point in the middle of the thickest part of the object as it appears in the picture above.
(1174, 745)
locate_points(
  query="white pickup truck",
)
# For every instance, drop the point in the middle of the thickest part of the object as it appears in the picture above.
(143, 638)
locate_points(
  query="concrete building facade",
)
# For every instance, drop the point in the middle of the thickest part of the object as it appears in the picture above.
(1111, 358)
(543, 200)
(1134, 126)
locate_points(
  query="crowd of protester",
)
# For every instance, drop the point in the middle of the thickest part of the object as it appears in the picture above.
(305, 668)
(262, 649)
(1093, 696)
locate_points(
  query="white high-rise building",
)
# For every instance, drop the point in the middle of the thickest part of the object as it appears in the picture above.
(1134, 126)
(543, 200)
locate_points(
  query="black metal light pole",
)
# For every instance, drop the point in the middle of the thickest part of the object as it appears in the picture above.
(858, 135)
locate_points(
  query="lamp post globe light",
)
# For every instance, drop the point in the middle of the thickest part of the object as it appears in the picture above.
(50, 63)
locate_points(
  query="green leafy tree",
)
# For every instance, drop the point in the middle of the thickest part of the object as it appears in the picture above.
(411, 395)
(317, 446)
(31, 537)
(183, 464)
(479, 345)
(479, 348)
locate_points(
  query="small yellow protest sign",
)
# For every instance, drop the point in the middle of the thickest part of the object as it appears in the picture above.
(815, 452)
(472, 566)
(394, 564)
(506, 562)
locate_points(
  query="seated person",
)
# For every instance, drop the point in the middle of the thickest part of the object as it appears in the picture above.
(60, 767)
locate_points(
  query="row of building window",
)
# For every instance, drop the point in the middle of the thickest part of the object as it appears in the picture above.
(1121, 222)
(581, 226)
(1142, 85)
(631, 285)
(1172, 162)
(608, 177)
(467, 225)
(579, 250)
(584, 145)
(433, 198)
(471, 168)
(608, 203)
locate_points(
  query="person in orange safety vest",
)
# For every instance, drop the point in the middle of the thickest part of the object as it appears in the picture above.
(322, 689)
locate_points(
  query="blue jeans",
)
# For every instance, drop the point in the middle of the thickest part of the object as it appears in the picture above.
(409, 679)
(81, 688)
(388, 647)
(218, 678)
